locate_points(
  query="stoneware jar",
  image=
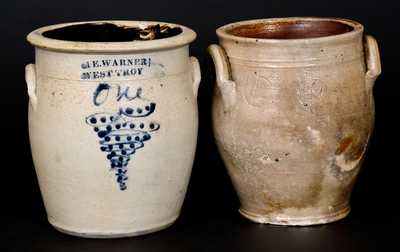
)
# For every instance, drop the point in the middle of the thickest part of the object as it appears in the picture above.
(113, 124)
(293, 112)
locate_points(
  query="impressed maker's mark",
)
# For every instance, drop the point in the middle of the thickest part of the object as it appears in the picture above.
(111, 68)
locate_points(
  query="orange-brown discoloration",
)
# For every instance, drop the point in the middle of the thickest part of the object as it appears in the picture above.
(353, 146)
(343, 145)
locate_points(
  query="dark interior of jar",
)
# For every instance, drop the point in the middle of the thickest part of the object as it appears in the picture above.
(108, 32)
(299, 29)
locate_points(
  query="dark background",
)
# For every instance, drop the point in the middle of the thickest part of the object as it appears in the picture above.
(209, 220)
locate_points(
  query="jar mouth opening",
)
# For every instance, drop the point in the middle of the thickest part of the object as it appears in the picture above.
(290, 29)
(110, 32)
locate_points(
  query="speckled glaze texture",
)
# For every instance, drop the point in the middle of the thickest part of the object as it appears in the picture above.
(113, 129)
(292, 119)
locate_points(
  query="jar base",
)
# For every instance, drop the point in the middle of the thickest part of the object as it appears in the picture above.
(295, 221)
(109, 235)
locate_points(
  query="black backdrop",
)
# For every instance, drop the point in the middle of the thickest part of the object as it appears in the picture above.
(209, 220)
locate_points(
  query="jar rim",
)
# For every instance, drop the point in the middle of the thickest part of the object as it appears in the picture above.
(224, 32)
(37, 39)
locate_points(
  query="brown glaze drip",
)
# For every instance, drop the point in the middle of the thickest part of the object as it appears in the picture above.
(108, 32)
(291, 29)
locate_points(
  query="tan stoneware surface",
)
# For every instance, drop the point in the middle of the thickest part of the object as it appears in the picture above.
(135, 98)
(293, 111)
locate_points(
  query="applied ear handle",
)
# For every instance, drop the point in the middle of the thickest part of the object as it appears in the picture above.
(30, 78)
(373, 62)
(226, 86)
(196, 75)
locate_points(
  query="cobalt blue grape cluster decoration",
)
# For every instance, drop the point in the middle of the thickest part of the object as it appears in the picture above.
(121, 135)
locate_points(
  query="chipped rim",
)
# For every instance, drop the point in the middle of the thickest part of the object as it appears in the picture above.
(223, 31)
(38, 40)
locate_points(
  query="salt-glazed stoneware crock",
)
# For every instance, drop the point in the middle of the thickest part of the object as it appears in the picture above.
(293, 112)
(113, 124)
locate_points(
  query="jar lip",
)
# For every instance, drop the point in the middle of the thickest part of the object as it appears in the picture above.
(37, 39)
(224, 31)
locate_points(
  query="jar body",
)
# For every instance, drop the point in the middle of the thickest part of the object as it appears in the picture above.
(295, 137)
(113, 138)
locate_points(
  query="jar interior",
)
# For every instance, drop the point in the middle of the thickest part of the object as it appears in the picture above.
(298, 29)
(109, 32)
